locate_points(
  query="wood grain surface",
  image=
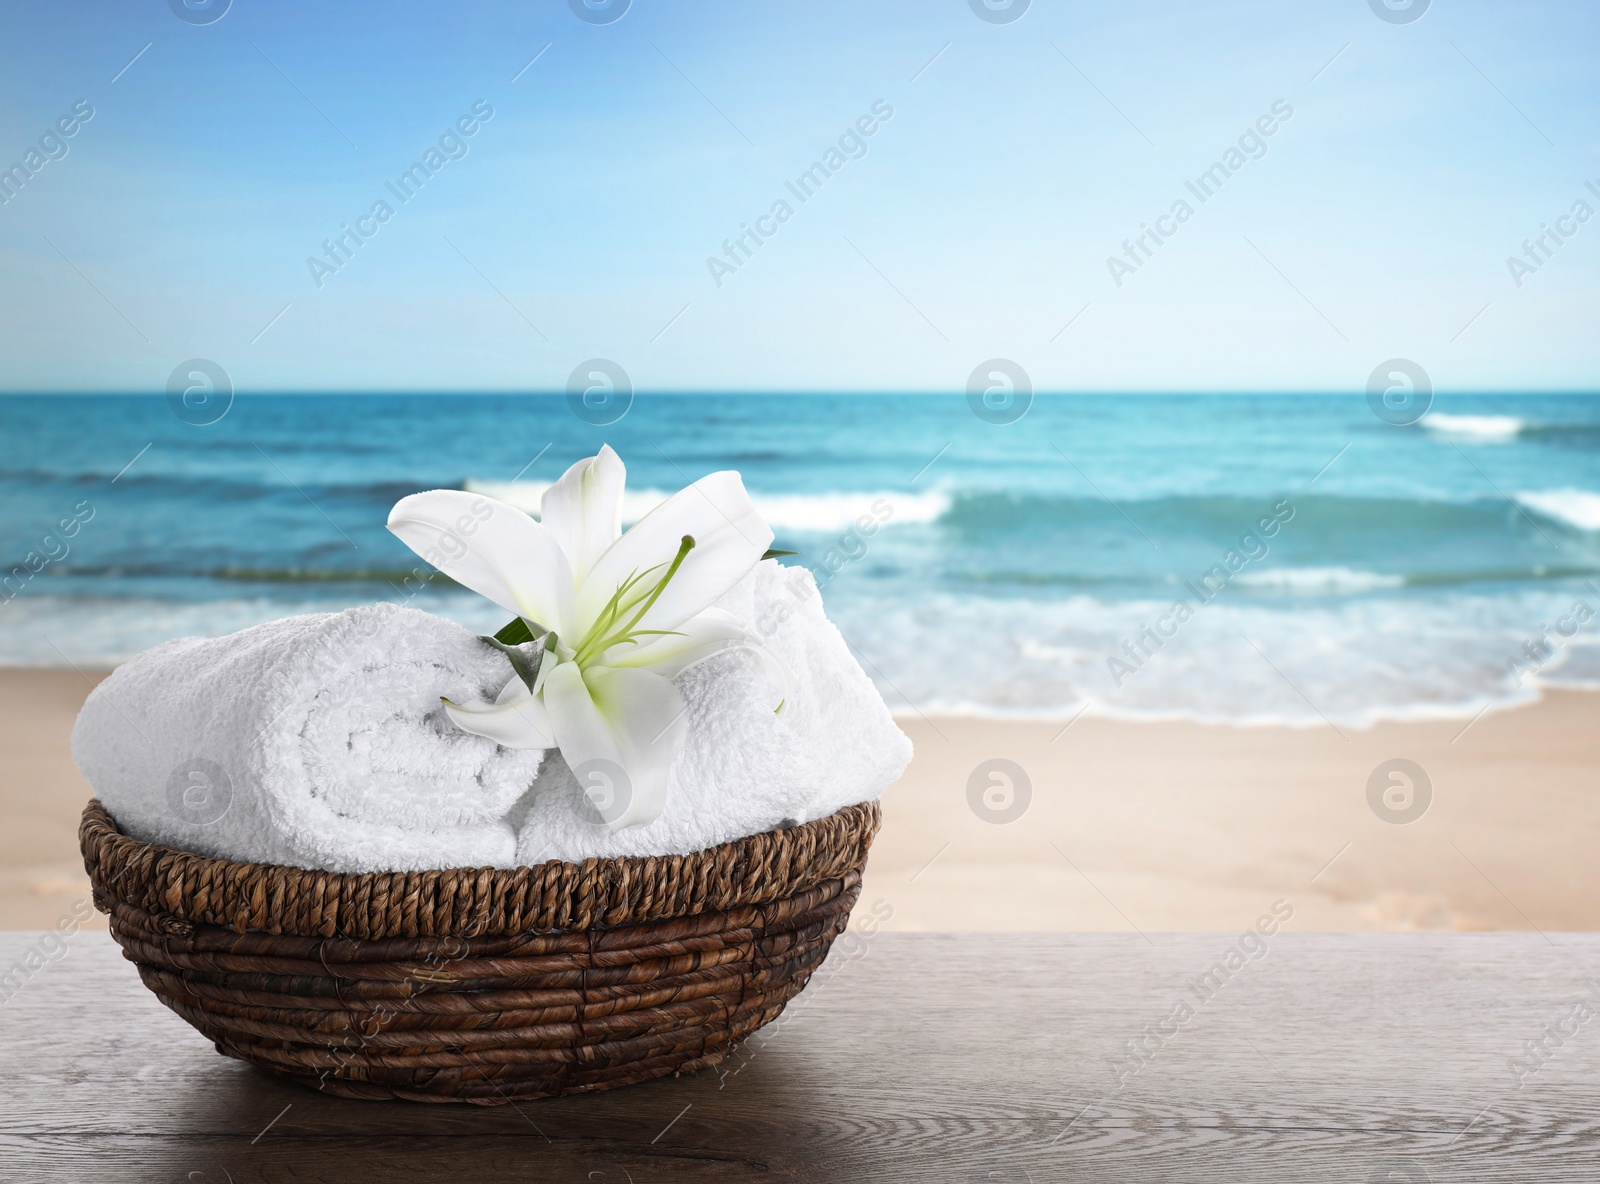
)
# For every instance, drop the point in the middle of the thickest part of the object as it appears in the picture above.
(911, 1057)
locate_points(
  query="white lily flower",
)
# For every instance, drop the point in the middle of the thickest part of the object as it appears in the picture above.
(617, 615)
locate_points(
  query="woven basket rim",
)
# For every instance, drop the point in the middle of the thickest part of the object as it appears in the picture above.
(469, 902)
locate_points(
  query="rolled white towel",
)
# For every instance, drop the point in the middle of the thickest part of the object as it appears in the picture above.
(316, 741)
(744, 769)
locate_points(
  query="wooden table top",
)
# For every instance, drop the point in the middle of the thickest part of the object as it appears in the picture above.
(911, 1057)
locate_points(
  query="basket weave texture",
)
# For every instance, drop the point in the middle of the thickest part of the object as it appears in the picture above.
(477, 984)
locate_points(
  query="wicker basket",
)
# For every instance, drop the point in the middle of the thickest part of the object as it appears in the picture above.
(478, 985)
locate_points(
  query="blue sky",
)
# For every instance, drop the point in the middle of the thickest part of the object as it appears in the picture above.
(1375, 223)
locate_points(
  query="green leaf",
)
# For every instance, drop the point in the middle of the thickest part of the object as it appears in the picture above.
(772, 554)
(515, 633)
(525, 657)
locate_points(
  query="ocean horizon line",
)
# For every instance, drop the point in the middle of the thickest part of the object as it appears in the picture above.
(816, 392)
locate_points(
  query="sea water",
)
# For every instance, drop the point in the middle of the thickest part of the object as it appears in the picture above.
(1239, 559)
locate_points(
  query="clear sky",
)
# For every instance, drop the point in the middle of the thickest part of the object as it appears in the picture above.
(974, 222)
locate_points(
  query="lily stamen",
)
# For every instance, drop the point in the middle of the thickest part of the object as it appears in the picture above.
(594, 645)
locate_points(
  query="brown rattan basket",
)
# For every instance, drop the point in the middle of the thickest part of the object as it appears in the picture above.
(476, 984)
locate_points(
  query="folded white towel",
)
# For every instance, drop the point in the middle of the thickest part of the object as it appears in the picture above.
(744, 769)
(320, 741)
(317, 741)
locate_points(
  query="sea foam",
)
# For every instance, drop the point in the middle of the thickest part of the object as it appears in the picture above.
(1354, 661)
(1319, 579)
(1485, 429)
(1573, 507)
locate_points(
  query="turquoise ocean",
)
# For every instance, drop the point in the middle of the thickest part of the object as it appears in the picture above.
(1330, 565)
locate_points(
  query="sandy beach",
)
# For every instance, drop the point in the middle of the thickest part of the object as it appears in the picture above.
(1148, 826)
(1177, 826)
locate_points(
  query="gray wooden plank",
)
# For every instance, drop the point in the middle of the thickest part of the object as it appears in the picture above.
(910, 1057)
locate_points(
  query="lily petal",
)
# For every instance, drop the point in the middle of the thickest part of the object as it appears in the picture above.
(669, 654)
(583, 510)
(490, 547)
(730, 538)
(621, 730)
(516, 719)
(698, 639)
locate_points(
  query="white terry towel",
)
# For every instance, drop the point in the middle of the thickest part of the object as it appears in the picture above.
(744, 769)
(315, 741)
